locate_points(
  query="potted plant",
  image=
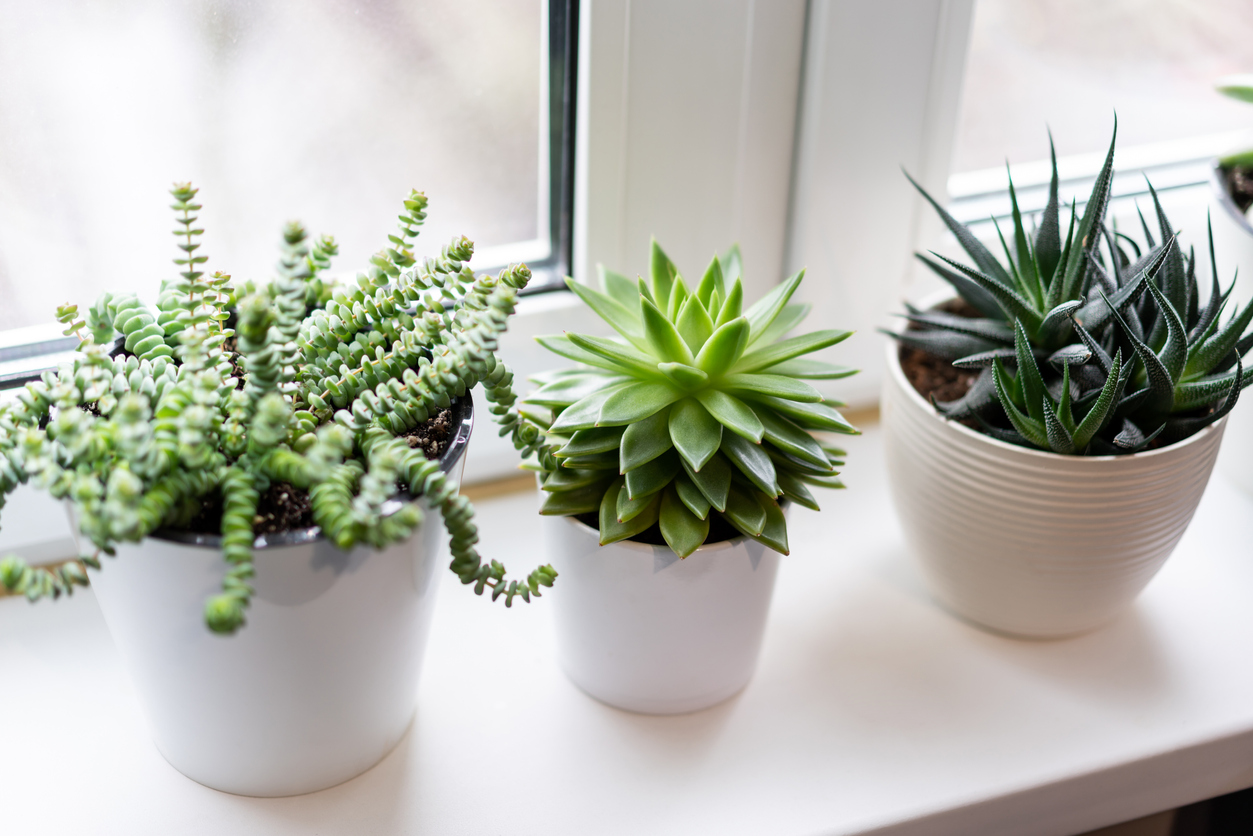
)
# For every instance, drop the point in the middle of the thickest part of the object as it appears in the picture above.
(667, 459)
(282, 444)
(1050, 429)
(1232, 188)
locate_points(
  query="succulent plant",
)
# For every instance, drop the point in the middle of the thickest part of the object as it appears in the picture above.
(1110, 346)
(316, 390)
(698, 411)
(1240, 88)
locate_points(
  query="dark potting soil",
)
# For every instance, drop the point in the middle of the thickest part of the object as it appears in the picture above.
(284, 507)
(1240, 186)
(932, 376)
(719, 529)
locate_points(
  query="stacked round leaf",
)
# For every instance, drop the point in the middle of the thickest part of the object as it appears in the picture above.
(698, 411)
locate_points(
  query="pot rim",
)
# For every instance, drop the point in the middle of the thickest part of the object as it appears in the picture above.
(1219, 184)
(899, 379)
(463, 413)
(705, 548)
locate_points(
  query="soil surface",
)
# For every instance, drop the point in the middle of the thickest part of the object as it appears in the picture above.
(932, 376)
(434, 436)
(284, 507)
(1240, 186)
(719, 530)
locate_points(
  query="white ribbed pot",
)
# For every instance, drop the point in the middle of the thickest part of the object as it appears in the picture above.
(640, 629)
(1029, 542)
(1233, 251)
(320, 683)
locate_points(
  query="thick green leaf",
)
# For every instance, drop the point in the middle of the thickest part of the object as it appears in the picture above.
(695, 433)
(1161, 397)
(732, 413)
(724, 348)
(775, 385)
(1015, 306)
(978, 298)
(611, 531)
(584, 413)
(662, 272)
(627, 508)
(774, 532)
(652, 477)
(793, 314)
(621, 318)
(752, 461)
(620, 288)
(1099, 412)
(678, 295)
(597, 461)
(1085, 235)
(635, 402)
(745, 512)
(683, 531)
(733, 306)
(711, 281)
(694, 324)
(1060, 441)
(763, 313)
(570, 479)
(732, 264)
(595, 440)
(1174, 353)
(1203, 357)
(794, 489)
(573, 388)
(790, 438)
(663, 340)
(779, 352)
(1048, 238)
(691, 496)
(811, 370)
(713, 480)
(616, 357)
(1030, 429)
(563, 345)
(583, 500)
(1026, 259)
(815, 416)
(684, 376)
(1029, 377)
(645, 440)
(973, 247)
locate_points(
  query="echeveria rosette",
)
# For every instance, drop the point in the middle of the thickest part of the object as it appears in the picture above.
(1109, 345)
(698, 408)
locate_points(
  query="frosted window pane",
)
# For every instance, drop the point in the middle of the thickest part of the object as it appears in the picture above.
(1070, 63)
(319, 110)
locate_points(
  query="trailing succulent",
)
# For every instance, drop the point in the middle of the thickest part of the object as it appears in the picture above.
(221, 391)
(1089, 343)
(697, 412)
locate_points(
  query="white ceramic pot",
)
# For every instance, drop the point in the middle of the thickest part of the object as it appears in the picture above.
(642, 630)
(1029, 542)
(1233, 251)
(320, 683)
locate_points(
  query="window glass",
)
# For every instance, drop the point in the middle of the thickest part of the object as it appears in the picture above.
(323, 110)
(1069, 64)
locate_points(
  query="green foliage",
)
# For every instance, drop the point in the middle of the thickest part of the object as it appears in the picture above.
(697, 412)
(320, 381)
(1109, 345)
(1239, 87)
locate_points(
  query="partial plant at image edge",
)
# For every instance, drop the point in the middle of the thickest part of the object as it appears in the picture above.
(1087, 343)
(312, 385)
(698, 411)
(1240, 88)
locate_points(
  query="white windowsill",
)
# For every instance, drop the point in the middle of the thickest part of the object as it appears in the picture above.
(872, 710)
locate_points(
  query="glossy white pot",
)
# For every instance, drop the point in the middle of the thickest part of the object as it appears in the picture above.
(1028, 542)
(642, 630)
(1233, 251)
(320, 683)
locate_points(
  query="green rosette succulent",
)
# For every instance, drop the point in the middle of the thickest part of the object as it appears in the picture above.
(1095, 345)
(697, 412)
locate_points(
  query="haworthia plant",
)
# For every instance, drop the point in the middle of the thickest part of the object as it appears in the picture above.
(699, 410)
(320, 382)
(1110, 348)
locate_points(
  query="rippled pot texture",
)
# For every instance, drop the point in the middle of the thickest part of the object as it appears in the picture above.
(1027, 542)
(318, 686)
(642, 630)
(1233, 250)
